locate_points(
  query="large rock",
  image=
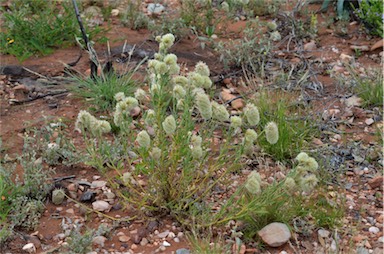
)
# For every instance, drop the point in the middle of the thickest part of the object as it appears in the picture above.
(100, 205)
(275, 234)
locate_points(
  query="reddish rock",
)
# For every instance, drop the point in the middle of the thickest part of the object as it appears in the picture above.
(376, 182)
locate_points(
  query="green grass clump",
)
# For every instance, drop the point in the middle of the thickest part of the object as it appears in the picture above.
(294, 130)
(100, 92)
(369, 87)
(256, 203)
(38, 27)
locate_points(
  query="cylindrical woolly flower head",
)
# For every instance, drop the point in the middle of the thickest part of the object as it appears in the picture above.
(207, 82)
(302, 157)
(179, 92)
(197, 152)
(219, 112)
(308, 183)
(155, 88)
(129, 103)
(119, 96)
(251, 113)
(103, 126)
(84, 119)
(180, 104)
(169, 125)
(170, 59)
(118, 116)
(123, 109)
(236, 122)
(202, 69)
(248, 148)
(173, 69)
(272, 133)
(311, 164)
(152, 63)
(250, 136)
(253, 183)
(143, 139)
(272, 25)
(156, 153)
(204, 106)
(160, 68)
(196, 140)
(167, 40)
(301, 171)
(157, 56)
(290, 184)
(197, 91)
(140, 95)
(196, 80)
(150, 117)
(180, 80)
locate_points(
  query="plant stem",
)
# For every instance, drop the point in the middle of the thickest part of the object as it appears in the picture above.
(85, 38)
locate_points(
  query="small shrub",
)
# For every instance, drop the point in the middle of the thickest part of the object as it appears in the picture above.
(371, 13)
(199, 15)
(165, 25)
(133, 17)
(178, 166)
(250, 52)
(80, 243)
(58, 150)
(35, 177)
(170, 160)
(24, 199)
(26, 212)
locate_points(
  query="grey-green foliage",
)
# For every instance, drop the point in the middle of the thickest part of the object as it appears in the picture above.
(35, 177)
(61, 151)
(250, 52)
(79, 243)
(26, 212)
(27, 204)
(133, 17)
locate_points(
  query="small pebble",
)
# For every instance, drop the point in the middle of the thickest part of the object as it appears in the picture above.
(163, 234)
(374, 230)
(166, 244)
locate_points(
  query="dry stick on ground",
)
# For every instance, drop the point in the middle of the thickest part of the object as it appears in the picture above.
(91, 51)
(52, 93)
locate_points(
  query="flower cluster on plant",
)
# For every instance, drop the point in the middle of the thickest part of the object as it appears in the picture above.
(178, 159)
